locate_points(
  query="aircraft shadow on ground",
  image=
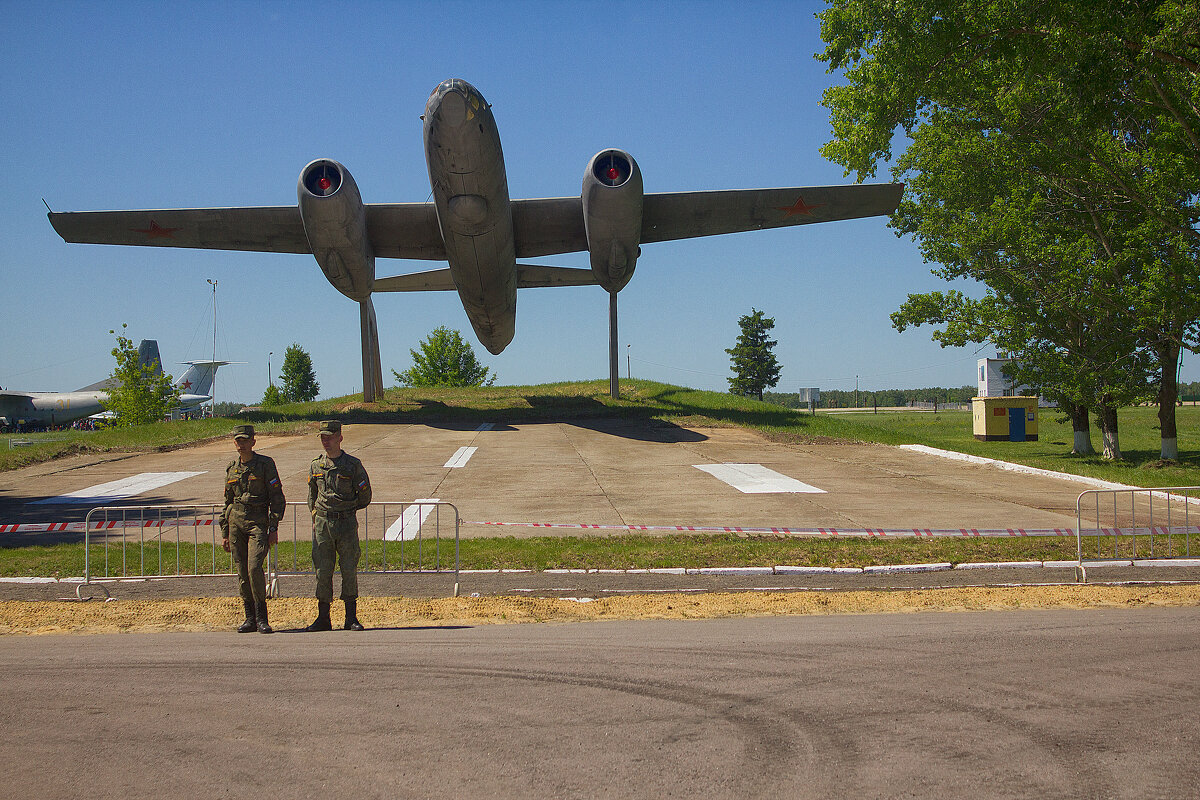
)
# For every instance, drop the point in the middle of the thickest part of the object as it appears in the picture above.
(667, 401)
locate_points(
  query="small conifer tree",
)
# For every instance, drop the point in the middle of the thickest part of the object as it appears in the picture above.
(754, 365)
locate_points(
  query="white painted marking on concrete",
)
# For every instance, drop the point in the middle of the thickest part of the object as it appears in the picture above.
(460, 458)
(1011, 467)
(487, 426)
(408, 525)
(756, 479)
(1000, 565)
(1168, 562)
(796, 570)
(119, 490)
(737, 571)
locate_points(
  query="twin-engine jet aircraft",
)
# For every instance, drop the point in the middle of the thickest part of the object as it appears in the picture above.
(474, 226)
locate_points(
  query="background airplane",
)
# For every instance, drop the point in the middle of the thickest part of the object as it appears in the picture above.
(25, 410)
(474, 226)
(195, 387)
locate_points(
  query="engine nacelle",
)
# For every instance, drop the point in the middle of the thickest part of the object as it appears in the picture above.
(335, 222)
(612, 216)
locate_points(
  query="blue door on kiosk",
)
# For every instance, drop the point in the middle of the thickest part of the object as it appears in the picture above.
(1016, 424)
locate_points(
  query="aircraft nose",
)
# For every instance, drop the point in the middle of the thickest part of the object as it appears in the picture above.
(453, 109)
(455, 102)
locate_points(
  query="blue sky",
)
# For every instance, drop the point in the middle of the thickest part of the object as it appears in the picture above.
(128, 105)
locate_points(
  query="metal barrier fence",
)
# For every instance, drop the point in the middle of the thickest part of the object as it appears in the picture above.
(179, 540)
(1145, 523)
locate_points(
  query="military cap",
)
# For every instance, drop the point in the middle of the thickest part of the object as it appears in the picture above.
(243, 432)
(331, 426)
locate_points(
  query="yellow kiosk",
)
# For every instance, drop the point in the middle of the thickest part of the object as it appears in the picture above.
(1005, 419)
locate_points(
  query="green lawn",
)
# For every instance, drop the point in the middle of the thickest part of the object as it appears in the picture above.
(626, 551)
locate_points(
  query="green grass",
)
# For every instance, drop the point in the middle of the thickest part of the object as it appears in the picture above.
(157, 437)
(668, 406)
(631, 551)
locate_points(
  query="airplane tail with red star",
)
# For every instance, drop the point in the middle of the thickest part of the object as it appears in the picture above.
(195, 387)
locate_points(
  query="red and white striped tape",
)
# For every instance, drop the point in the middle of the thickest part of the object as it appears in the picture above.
(830, 533)
(77, 527)
(860, 533)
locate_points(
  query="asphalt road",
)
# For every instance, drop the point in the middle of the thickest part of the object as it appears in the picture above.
(1029, 704)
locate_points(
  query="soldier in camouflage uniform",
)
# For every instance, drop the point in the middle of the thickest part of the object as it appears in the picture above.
(337, 487)
(254, 504)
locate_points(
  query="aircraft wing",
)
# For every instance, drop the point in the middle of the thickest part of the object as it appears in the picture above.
(684, 215)
(274, 229)
(554, 225)
(399, 230)
(546, 226)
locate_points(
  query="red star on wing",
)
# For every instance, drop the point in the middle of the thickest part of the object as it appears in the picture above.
(156, 231)
(185, 385)
(799, 207)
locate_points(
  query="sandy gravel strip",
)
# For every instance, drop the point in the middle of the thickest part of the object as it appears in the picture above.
(292, 614)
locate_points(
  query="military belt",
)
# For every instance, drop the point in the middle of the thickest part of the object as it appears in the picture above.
(335, 514)
(250, 506)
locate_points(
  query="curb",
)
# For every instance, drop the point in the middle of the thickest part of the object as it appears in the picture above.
(887, 569)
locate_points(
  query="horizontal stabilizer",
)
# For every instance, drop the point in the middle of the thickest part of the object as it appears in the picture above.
(434, 280)
(536, 276)
(529, 276)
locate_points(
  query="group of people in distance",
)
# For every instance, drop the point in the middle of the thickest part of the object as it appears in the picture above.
(338, 487)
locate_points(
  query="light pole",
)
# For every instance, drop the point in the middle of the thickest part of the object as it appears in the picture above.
(269, 382)
(628, 367)
(212, 404)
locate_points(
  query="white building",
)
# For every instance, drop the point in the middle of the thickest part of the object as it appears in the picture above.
(993, 383)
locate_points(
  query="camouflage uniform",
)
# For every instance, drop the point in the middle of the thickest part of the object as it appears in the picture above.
(254, 505)
(337, 488)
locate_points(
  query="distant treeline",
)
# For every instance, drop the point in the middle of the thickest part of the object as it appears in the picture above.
(837, 398)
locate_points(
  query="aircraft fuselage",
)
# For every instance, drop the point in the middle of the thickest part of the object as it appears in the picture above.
(50, 408)
(470, 192)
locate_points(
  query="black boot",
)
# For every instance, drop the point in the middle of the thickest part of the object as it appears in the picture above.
(321, 623)
(250, 625)
(352, 623)
(263, 627)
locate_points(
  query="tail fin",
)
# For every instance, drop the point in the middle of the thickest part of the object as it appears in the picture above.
(198, 379)
(148, 355)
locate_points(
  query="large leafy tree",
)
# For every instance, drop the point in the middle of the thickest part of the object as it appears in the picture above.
(1056, 296)
(444, 358)
(755, 368)
(140, 393)
(297, 376)
(1060, 141)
